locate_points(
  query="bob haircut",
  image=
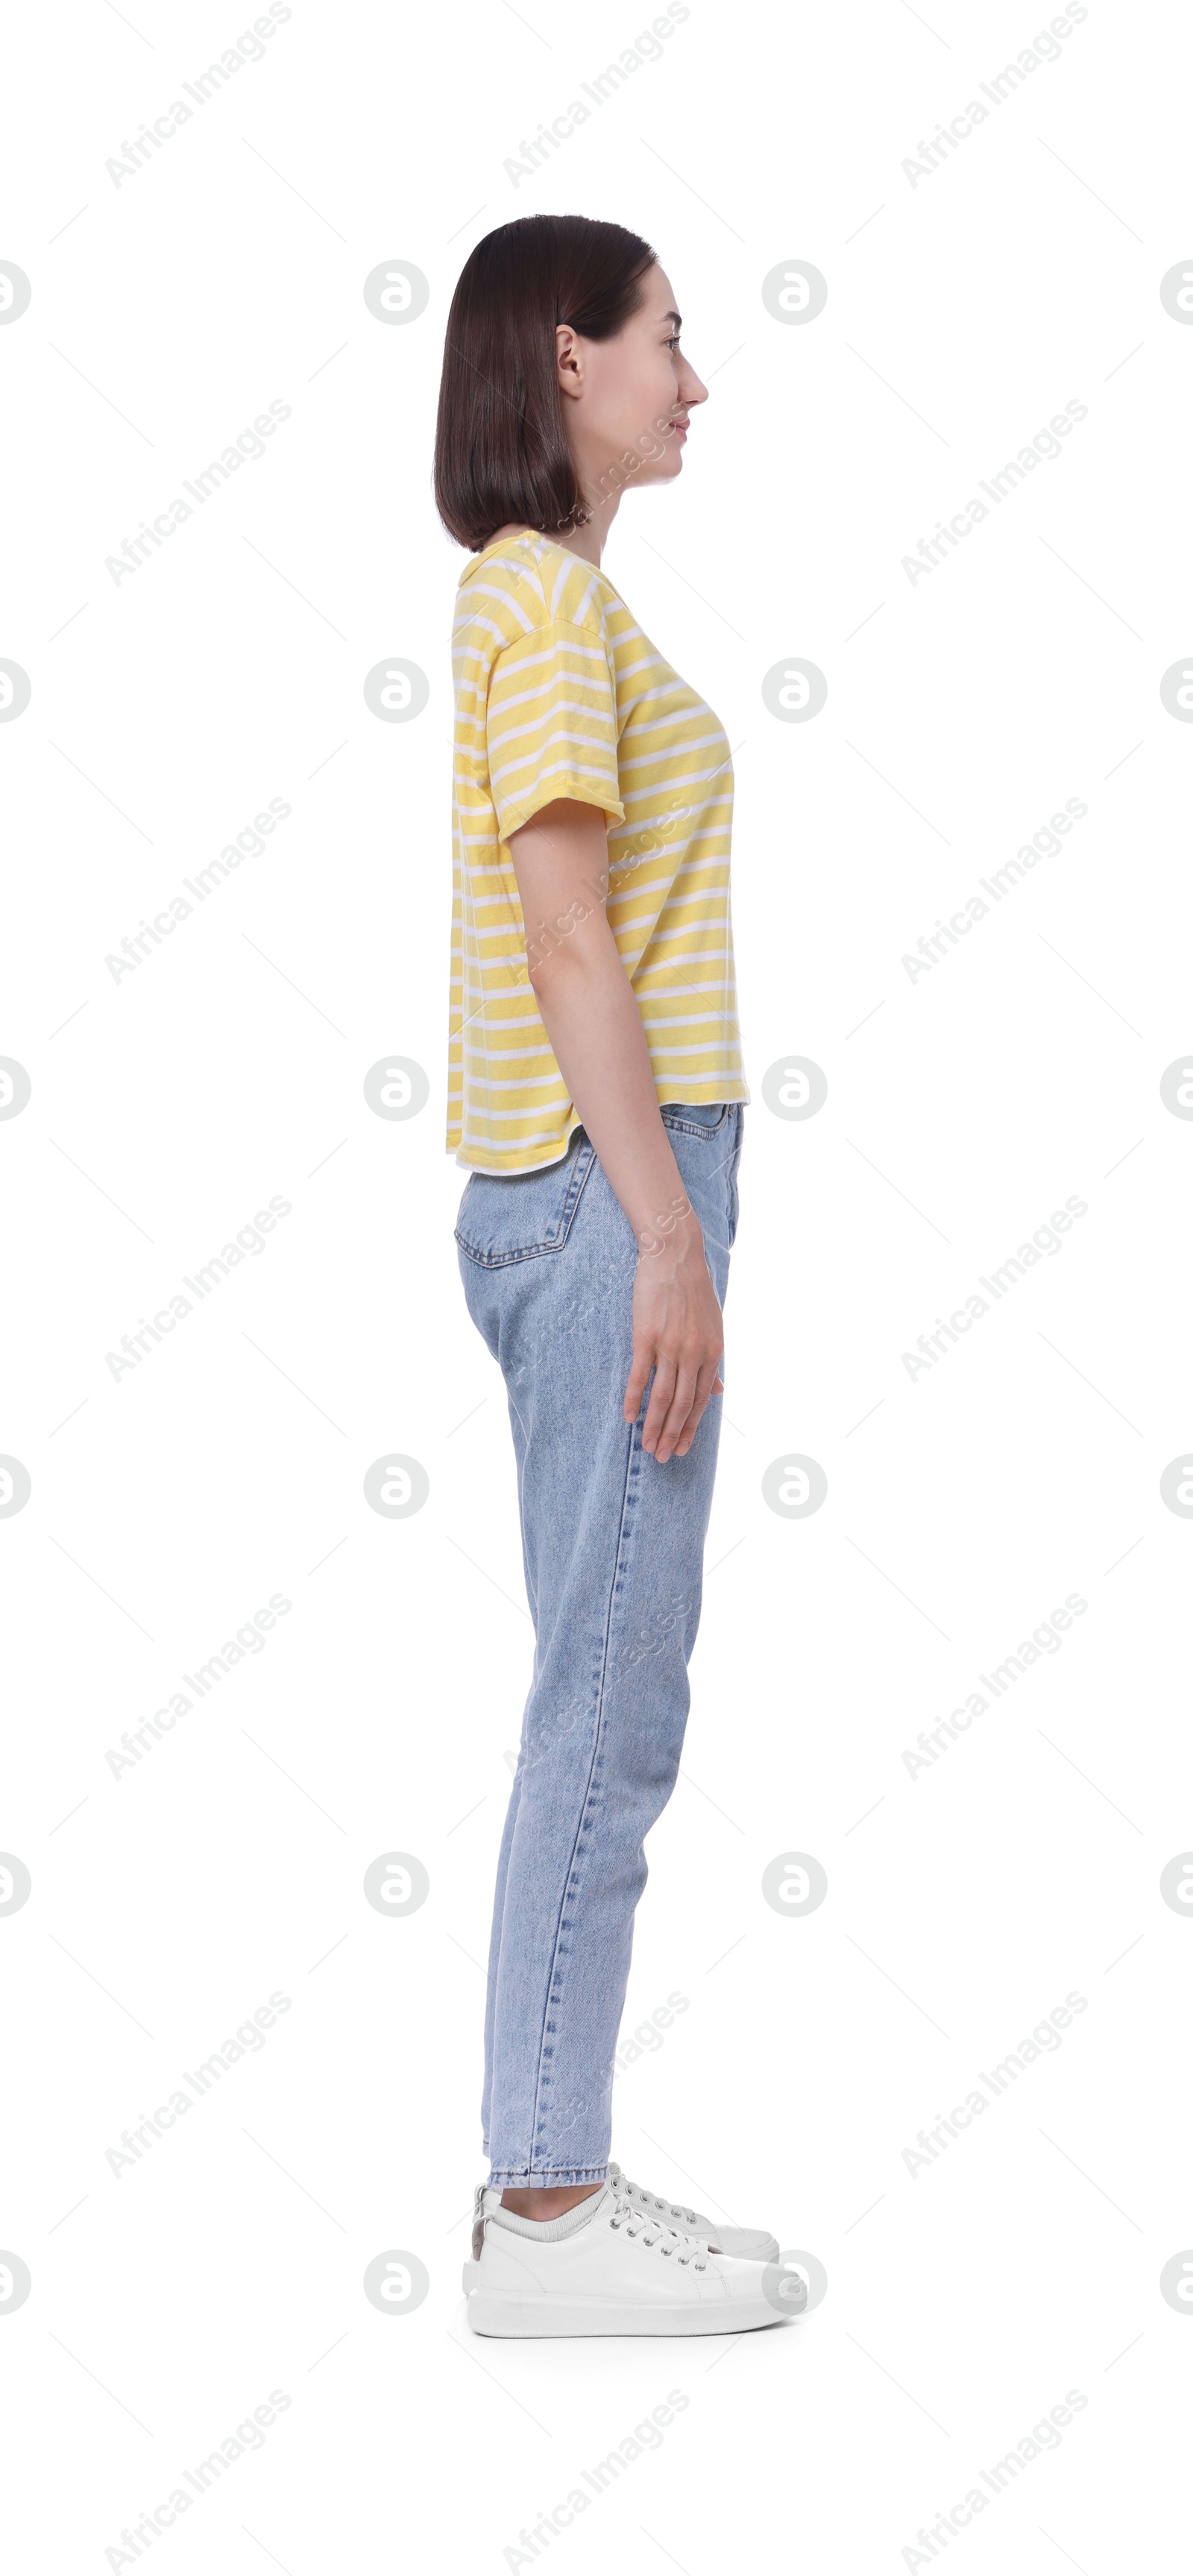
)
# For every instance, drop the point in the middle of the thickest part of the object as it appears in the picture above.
(501, 449)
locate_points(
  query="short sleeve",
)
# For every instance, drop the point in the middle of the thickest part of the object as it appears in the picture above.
(552, 725)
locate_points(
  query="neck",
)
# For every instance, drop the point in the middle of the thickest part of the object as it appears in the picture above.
(587, 542)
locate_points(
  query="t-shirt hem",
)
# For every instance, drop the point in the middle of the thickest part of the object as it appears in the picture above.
(507, 1170)
(697, 1094)
(564, 790)
(736, 1091)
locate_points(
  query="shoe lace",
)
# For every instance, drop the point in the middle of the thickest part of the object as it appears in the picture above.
(655, 2232)
(669, 2209)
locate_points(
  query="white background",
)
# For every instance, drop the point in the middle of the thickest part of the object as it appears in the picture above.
(965, 1901)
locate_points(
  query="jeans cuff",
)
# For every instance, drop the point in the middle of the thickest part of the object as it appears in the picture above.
(502, 2179)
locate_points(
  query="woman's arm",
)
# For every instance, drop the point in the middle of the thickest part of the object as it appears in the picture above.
(591, 1016)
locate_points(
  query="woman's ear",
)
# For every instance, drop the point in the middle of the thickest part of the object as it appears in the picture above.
(569, 361)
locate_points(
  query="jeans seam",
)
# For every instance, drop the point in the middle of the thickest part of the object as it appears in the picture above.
(596, 1740)
(725, 1161)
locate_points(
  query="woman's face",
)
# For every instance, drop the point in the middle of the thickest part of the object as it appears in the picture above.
(628, 399)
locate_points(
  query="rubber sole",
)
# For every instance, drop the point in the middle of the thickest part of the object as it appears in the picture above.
(489, 2314)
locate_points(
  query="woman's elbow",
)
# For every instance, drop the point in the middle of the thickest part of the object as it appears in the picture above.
(572, 948)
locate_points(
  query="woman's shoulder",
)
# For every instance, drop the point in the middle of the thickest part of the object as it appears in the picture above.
(525, 583)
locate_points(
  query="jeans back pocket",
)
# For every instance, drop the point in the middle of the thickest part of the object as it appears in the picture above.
(519, 1216)
(705, 1118)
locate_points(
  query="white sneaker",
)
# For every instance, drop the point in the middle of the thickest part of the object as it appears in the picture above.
(619, 2272)
(750, 2244)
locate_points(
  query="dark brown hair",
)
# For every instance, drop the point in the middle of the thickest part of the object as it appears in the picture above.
(501, 450)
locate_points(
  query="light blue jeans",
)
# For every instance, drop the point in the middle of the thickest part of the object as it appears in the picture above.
(612, 1545)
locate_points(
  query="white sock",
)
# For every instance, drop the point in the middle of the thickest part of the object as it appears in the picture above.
(549, 2229)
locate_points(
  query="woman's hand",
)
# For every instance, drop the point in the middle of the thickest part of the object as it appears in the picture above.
(678, 1332)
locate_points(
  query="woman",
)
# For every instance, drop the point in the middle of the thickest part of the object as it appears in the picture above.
(596, 1098)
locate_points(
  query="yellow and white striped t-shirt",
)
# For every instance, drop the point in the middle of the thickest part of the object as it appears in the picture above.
(559, 693)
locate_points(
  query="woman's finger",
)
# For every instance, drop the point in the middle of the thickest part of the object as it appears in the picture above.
(660, 1399)
(635, 1385)
(707, 1384)
(683, 1394)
